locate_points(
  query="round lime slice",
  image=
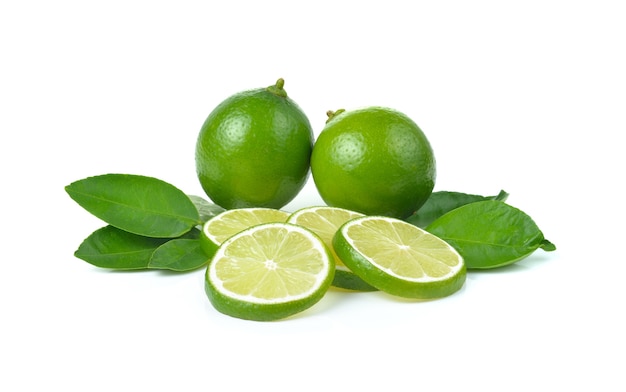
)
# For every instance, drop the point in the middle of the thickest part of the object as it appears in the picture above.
(219, 228)
(269, 272)
(399, 258)
(325, 221)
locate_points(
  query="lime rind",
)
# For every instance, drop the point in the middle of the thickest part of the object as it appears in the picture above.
(238, 258)
(376, 270)
(348, 280)
(258, 312)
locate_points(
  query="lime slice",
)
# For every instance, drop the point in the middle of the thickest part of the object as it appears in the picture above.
(399, 258)
(325, 221)
(268, 272)
(230, 222)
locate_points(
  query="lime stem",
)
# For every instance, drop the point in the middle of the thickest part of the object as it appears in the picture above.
(278, 88)
(334, 114)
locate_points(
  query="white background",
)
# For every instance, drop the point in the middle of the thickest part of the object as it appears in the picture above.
(524, 96)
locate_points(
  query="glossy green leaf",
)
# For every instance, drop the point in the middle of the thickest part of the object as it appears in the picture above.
(206, 209)
(141, 205)
(442, 202)
(179, 255)
(490, 233)
(110, 247)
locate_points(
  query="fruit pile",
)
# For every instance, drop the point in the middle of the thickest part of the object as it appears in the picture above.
(382, 228)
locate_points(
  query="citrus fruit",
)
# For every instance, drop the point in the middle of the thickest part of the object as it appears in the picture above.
(373, 160)
(268, 272)
(230, 222)
(399, 258)
(325, 221)
(254, 149)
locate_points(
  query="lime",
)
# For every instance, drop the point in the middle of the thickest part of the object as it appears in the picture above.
(230, 222)
(254, 149)
(268, 272)
(399, 258)
(325, 221)
(374, 160)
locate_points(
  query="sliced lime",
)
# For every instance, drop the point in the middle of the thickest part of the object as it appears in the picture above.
(268, 272)
(230, 222)
(325, 221)
(399, 258)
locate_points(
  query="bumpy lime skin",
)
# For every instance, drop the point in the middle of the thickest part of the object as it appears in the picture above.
(374, 160)
(254, 150)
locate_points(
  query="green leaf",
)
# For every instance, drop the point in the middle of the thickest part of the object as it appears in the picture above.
(141, 205)
(110, 247)
(442, 202)
(179, 255)
(206, 209)
(490, 233)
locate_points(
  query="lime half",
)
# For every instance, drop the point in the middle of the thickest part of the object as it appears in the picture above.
(268, 272)
(230, 222)
(399, 258)
(325, 221)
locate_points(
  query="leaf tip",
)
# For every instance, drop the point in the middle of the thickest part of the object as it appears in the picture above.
(547, 246)
(502, 196)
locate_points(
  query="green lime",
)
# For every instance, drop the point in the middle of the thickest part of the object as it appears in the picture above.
(325, 221)
(230, 222)
(254, 149)
(374, 160)
(268, 272)
(399, 258)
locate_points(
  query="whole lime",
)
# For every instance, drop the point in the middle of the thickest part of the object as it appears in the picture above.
(373, 160)
(254, 149)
